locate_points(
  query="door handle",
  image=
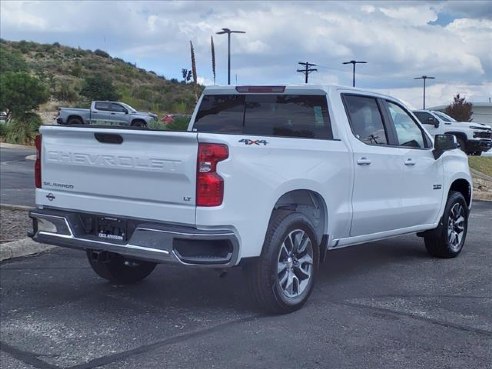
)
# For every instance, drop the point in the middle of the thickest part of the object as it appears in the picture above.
(409, 162)
(113, 113)
(363, 161)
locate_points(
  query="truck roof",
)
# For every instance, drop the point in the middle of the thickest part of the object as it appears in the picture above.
(300, 89)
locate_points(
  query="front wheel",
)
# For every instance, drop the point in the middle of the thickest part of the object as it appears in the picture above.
(118, 269)
(447, 240)
(282, 278)
(138, 123)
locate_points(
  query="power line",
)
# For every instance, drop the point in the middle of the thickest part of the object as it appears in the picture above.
(307, 69)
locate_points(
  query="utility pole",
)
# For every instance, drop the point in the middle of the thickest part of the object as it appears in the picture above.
(424, 78)
(307, 69)
(228, 32)
(353, 62)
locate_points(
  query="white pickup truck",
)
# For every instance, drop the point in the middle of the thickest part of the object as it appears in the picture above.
(267, 177)
(473, 138)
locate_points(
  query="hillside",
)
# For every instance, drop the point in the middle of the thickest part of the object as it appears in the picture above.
(63, 70)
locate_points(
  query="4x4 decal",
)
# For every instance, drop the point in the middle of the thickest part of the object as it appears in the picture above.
(248, 142)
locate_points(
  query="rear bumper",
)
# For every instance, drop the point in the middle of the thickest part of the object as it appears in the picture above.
(147, 240)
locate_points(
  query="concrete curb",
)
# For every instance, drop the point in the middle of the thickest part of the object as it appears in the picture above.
(30, 157)
(16, 207)
(24, 247)
(15, 146)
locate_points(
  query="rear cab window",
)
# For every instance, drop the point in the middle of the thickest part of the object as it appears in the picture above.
(281, 115)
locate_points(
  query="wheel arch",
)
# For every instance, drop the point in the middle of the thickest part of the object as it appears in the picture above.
(75, 116)
(464, 187)
(312, 205)
(136, 121)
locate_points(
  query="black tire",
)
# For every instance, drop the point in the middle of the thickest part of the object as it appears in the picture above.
(461, 142)
(270, 274)
(138, 123)
(74, 120)
(447, 240)
(117, 269)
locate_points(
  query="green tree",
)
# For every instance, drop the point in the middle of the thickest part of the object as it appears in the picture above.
(460, 109)
(99, 88)
(20, 93)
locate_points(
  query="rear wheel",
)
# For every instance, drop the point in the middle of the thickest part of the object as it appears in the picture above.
(447, 240)
(118, 269)
(74, 120)
(282, 278)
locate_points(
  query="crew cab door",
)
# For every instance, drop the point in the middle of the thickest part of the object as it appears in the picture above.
(422, 191)
(100, 112)
(379, 168)
(118, 114)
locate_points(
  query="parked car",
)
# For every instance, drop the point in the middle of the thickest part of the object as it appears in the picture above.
(105, 113)
(269, 178)
(474, 138)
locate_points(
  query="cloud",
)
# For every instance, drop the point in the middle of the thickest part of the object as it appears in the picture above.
(399, 40)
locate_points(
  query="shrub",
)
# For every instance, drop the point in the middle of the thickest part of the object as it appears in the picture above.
(23, 130)
(101, 53)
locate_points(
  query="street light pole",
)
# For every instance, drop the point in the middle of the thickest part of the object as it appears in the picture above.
(424, 78)
(228, 31)
(353, 62)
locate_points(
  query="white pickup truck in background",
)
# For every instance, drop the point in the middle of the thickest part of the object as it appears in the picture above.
(473, 138)
(267, 177)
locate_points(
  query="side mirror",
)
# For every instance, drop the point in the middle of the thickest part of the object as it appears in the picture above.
(126, 111)
(436, 123)
(444, 143)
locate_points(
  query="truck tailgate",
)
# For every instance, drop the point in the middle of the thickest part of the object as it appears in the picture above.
(134, 173)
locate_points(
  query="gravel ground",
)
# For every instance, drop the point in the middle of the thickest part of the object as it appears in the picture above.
(14, 224)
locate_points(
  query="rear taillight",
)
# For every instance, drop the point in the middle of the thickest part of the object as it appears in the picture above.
(209, 185)
(37, 163)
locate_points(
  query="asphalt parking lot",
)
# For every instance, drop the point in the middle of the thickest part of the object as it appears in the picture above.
(380, 305)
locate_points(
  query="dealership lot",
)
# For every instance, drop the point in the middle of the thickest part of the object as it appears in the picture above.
(380, 305)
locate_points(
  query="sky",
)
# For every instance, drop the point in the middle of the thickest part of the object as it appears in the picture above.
(399, 40)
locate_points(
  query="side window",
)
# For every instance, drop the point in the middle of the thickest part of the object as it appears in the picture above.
(101, 105)
(118, 108)
(407, 131)
(423, 117)
(220, 113)
(365, 119)
(303, 116)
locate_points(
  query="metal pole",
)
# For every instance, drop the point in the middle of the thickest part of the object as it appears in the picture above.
(424, 94)
(229, 58)
(228, 31)
(353, 62)
(423, 97)
(353, 74)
